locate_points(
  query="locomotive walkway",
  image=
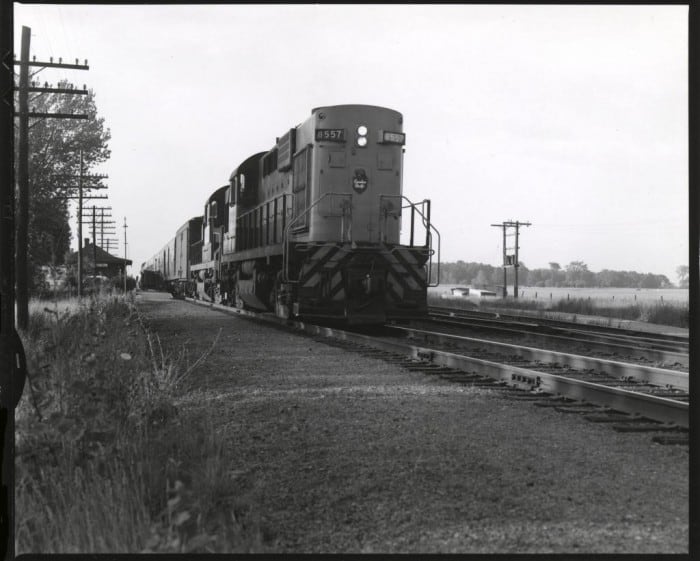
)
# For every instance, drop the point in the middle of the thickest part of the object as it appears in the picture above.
(338, 452)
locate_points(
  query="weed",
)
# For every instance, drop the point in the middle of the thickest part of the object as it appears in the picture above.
(105, 459)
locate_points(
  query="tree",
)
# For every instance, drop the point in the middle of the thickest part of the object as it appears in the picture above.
(554, 268)
(683, 272)
(575, 273)
(54, 151)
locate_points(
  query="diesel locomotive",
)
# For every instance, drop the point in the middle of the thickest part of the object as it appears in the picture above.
(312, 228)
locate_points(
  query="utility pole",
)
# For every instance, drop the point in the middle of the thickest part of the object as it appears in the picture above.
(80, 228)
(22, 272)
(12, 357)
(511, 260)
(125, 255)
(94, 223)
(23, 181)
(82, 179)
(111, 244)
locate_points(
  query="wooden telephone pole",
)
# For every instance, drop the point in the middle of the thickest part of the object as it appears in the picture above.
(510, 260)
(101, 222)
(85, 183)
(22, 272)
(125, 255)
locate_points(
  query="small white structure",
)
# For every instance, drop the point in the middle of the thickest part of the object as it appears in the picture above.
(481, 292)
(460, 291)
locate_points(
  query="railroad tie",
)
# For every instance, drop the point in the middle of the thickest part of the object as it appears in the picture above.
(668, 439)
(648, 427)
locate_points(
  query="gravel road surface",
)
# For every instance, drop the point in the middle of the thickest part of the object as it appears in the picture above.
(348, 454)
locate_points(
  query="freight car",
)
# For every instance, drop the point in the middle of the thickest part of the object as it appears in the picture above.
(313, 227)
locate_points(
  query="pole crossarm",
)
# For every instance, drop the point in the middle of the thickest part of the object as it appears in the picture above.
(52, 64)
(57, 115)
(83, 197)
(83, 177)
(57, 90)
(84, 187)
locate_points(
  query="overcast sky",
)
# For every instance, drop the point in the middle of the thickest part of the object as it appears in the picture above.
(573, 118)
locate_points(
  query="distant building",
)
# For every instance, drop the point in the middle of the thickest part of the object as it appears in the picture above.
(104, 263)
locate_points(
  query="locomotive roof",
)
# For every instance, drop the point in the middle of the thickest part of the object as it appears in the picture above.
(352, 106)
(246, 163)
(218, 192)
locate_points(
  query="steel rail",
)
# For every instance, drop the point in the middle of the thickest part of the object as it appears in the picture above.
(648, 406)
(648, 374)
(590, 327)
(652, 407)
(531, 325)
(655, 354)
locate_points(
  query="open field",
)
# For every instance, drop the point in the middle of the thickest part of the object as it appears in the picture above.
(650, 306)
(621, 296)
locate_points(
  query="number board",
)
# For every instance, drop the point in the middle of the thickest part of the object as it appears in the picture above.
(393, 137)
(330, 135)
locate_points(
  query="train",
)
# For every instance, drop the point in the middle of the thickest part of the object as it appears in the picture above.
(312, 227)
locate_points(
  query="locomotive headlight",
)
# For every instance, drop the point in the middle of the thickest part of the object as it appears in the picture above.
(361, 136)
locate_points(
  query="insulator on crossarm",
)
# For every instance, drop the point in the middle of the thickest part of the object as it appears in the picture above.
(51, 59)
(46, 84)
(60, 60)
(76, 62)
(84, 87)
(33, 58)
(85, 62)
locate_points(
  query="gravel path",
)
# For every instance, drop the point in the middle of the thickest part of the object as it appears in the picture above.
(342, 453)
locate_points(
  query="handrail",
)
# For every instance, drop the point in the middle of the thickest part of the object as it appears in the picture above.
(285, 240)
(428, 237)
(430, 262)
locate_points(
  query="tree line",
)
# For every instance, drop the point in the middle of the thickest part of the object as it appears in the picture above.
(575, 274)
(54, 165)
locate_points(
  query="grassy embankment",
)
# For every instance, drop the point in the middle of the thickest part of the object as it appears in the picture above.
(671, 313)
(107, 460)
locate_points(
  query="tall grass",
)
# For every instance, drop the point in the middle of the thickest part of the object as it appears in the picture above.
(670, 313)
(106, 458)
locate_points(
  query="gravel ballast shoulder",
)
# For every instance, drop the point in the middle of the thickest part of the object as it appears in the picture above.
(343, 453)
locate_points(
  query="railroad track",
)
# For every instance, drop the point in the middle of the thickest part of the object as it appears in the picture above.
(631, 397)
(666, 349)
